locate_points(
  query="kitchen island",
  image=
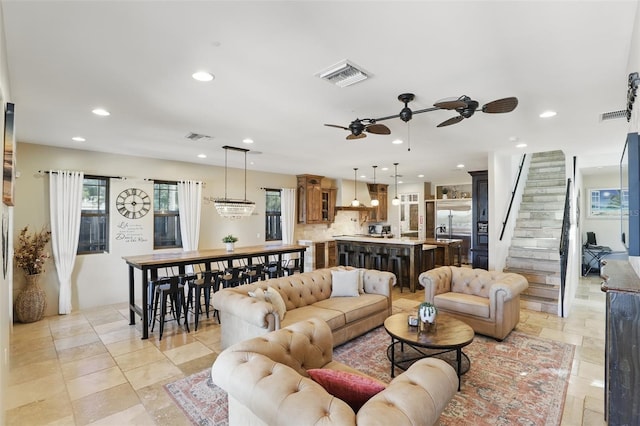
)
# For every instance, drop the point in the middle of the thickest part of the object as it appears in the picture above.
(360, 250)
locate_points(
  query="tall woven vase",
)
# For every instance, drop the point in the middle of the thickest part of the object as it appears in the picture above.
(32, 301)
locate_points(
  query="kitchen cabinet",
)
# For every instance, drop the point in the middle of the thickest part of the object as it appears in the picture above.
(315, 203)
(380, 192)
(430, 223)
(480, 219)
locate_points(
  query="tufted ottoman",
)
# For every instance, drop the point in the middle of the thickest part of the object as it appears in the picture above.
(489, 301)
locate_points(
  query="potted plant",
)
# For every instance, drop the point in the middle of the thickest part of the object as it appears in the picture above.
(30, 256)
(427, 316)
(229, 240)
(445, 191)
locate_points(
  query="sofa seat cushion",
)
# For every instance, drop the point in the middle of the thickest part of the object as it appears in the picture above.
(334, 318)
(463, 303)
(355, 308)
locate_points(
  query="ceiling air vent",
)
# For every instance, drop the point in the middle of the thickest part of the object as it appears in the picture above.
(613, 115)
(196, 137)
(343, 74)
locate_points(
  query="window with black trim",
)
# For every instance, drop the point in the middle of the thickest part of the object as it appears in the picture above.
(94, 216)
(166, 216)
(273, 215)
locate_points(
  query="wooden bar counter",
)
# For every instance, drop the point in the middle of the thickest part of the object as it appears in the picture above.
(415, 248)
(449, 251)
(149, 264)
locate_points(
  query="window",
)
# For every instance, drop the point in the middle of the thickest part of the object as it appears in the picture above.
(166, 217)
(273, 225)
(94, 217)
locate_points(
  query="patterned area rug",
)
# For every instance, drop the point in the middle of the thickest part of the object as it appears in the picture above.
(522, 380)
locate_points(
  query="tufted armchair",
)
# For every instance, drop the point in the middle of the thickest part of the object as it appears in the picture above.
(267, 384)
(489, 301)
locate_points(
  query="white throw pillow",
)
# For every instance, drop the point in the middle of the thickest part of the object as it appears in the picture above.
(274, 297)
(344, 283)
(361, 281)
(258, 293)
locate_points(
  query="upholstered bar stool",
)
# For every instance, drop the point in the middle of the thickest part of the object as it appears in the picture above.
(170, 289)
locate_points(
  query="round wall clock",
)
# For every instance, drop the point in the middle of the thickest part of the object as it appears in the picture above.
(133, 203)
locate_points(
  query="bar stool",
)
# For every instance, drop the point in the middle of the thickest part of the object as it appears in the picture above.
(209, 280)
(292, 266)
(399, 264)
(345, 254)
(170, 289)
(359, 256)
(232, 277)
(375, 257)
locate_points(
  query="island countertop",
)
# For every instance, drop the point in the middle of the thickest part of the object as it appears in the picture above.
(365, 239)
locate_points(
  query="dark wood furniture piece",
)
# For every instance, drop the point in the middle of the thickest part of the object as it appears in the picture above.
(448, 252)
(430, 222)
(360, 244)
(315, 203)
(408, 344)
(380, 192)
(622, 340)
(480, 219)
(149, 264)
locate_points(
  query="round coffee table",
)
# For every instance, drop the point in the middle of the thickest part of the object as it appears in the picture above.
(409, 345)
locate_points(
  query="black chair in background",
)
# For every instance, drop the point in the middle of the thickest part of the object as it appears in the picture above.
(171, 290)
(592, 254)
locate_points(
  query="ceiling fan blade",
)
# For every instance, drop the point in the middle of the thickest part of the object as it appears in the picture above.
(452, 120)
(500, 105)
(352, 136)
(378, 129)
(450, 104)
(335, 125)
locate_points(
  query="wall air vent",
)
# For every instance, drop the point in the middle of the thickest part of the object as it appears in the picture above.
(196, 137)
(613, 115)
(343, 74)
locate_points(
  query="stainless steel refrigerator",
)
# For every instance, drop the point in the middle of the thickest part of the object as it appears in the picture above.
(453, 221)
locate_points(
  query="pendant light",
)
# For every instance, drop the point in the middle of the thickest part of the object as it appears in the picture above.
(355, 202)
(230, 208)
(374, 201)
(396, 200)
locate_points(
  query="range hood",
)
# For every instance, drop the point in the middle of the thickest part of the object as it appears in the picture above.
(345, 194)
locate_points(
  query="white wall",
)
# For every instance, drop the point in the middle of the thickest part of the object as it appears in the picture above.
(607, 229)
(100, 279)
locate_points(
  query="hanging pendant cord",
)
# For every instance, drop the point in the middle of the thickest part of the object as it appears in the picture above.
(225, 174)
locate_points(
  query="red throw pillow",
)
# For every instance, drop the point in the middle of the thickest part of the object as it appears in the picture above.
(353, 389)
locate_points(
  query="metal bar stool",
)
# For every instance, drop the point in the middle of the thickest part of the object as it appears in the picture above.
(399, 264)
(170, 289)
(209, 281)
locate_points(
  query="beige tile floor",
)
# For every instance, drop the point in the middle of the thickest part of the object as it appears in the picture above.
(91, 367)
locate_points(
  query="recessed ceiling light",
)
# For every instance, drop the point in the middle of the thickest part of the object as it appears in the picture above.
(521, 145)
(363, 176)
(202, 76)
(202, 155)
(548, 114)
(400, 181)
(397, 141)
(78, 139)
(385, 168)
(420, 176)
(247, 140)
(101, 112)
(460, 166)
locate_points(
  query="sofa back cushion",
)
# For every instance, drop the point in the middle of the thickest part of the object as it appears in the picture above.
(476, 282)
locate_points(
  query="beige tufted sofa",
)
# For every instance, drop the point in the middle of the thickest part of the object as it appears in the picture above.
(306, 295)
(489, 301)
(267, 384)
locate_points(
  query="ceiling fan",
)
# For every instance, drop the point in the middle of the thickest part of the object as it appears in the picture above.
(463, 105)
(359, 126)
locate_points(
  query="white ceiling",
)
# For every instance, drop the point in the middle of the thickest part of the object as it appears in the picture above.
(135, 58)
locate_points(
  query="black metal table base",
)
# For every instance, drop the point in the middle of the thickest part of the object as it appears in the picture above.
(403, 355)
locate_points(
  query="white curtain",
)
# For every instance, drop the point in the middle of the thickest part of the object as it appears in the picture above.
(189, 206)
(288, 216)
(65, 195)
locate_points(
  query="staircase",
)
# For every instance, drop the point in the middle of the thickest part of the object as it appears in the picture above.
(534, 251)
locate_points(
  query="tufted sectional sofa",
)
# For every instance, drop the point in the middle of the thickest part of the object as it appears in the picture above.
(306, 295)
(267, 384)
(488, 301)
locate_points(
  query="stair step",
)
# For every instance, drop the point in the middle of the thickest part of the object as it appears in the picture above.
(550, 190)
(537, 223)
(537, 277)
(541, 215)
(526, 232)
(543, 290)
(547, 154)
(535, 243)
(551, 254)
(546, 182)
(544, 198)
(527, 263)
(539, 304)
(546, 162)
(528, 206)
(546, 173)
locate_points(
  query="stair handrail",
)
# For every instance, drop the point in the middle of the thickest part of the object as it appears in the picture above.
(513, 195)
(564, 245)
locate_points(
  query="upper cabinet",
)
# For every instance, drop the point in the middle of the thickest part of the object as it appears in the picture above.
(315, 203)
(378, 191)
